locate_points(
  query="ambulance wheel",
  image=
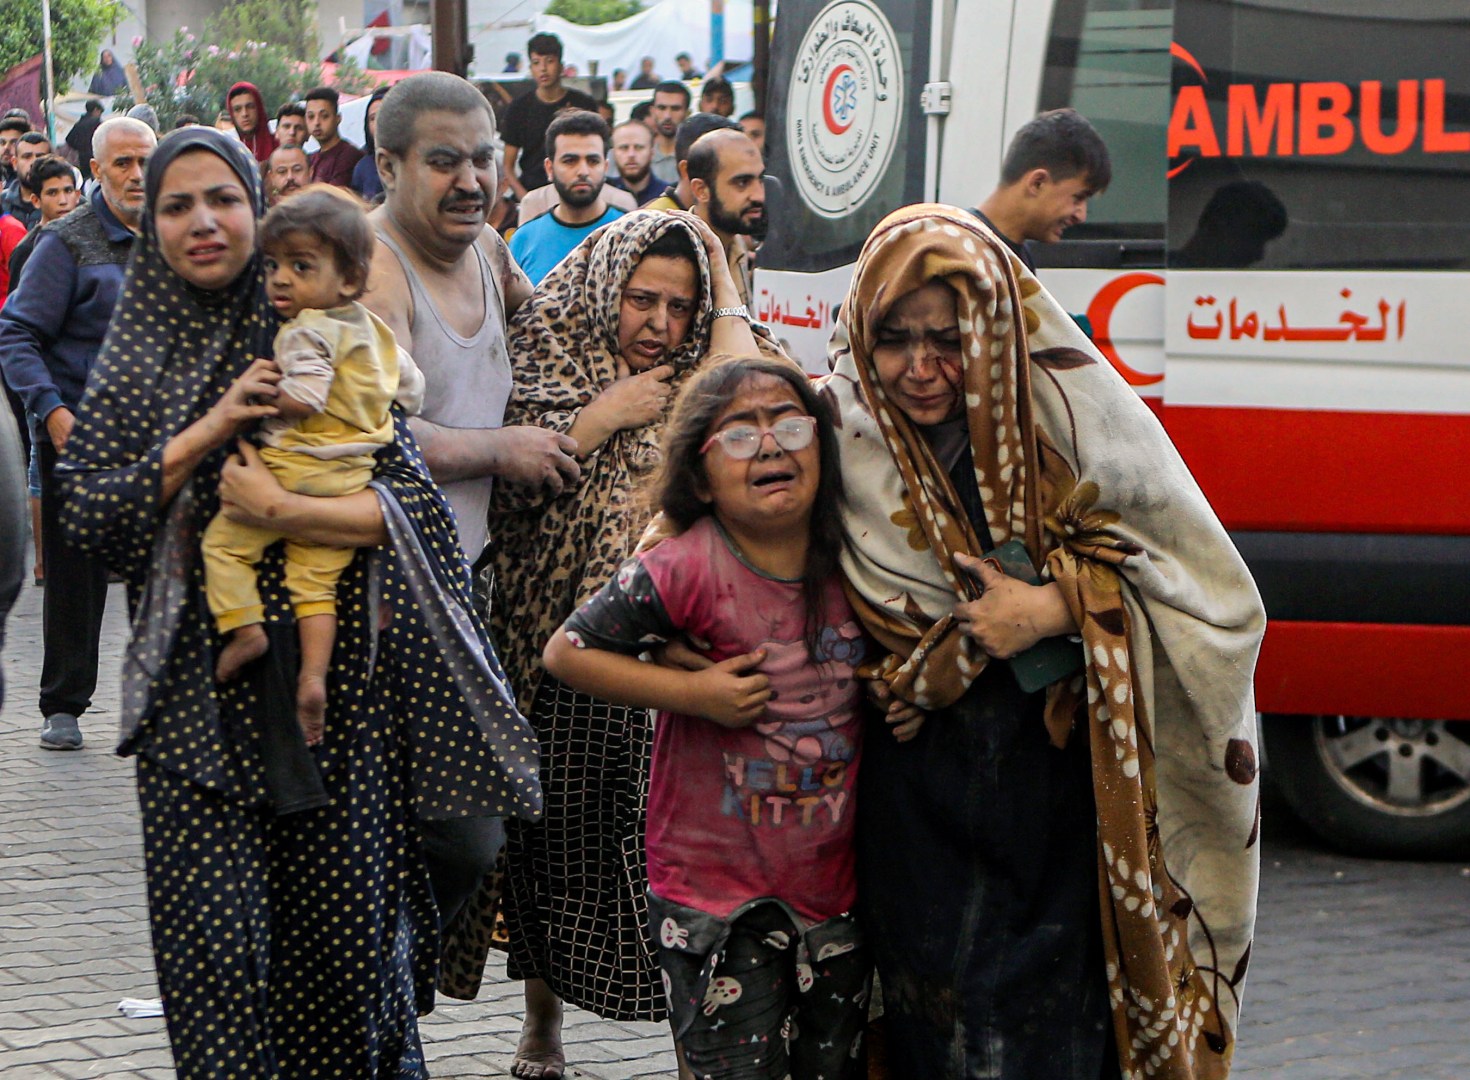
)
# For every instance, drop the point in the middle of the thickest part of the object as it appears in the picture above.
(1376, 785)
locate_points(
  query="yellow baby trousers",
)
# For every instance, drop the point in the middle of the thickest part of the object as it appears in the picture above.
(232, 550)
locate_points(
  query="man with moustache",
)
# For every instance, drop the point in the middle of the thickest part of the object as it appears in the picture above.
(670, 109)
(445, 284)
(679, 196)
(29, 148)
(577, 162)
(51, 330)
(11, 129)
(287, 172)
(726, 178)
(632, 150)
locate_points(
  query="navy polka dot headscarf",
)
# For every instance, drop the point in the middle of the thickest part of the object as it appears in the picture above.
(197, 137)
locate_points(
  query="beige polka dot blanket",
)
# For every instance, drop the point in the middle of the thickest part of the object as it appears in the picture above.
(1071, 462)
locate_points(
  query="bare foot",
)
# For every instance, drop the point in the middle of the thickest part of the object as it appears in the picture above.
(311, 707)
(246, 644)
(539, 1057)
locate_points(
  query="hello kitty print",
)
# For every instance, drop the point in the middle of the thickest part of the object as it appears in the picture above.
(735, 815)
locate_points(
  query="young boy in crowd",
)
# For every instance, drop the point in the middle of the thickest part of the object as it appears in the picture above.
(341, 371)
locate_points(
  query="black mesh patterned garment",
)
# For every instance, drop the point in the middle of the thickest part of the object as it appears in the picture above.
(293, 924)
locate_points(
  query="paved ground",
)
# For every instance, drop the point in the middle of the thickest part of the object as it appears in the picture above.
(1362, 968)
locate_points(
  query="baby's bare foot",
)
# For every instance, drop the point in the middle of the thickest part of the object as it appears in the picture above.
(311, 707)
(246, 644)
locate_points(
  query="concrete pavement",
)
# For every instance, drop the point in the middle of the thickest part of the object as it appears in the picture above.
(74, 921)
(1362, 969)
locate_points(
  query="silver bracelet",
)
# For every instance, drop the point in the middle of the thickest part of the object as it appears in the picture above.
(740, 311)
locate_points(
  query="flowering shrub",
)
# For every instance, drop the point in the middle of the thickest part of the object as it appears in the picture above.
(183, 76)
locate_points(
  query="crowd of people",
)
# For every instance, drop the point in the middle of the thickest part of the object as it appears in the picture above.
(524, 595)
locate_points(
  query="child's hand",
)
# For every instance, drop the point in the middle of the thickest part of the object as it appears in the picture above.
(904, 719)
(680, 653)
(249, 399)
(728, 698)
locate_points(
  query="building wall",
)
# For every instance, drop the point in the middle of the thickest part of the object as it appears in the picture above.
(166, 16)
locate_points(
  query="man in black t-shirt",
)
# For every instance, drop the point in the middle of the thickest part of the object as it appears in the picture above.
(527, 117)
(1056, 162)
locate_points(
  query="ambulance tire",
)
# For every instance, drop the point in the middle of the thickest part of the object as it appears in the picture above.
(1376, 786)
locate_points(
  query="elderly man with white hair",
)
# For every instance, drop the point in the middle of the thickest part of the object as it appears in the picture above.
(51, 330)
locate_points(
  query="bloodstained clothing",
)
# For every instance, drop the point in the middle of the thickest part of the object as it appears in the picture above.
(736, 815)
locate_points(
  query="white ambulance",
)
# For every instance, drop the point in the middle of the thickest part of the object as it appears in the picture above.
(1281, 267)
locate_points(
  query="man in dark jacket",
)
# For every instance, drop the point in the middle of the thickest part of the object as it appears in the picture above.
(51, 330)
(31, 146)
(79, 138)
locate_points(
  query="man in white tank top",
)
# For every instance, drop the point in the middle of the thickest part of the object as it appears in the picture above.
(446, 284)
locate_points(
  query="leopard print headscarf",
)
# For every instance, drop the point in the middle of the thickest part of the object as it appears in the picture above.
(552, 553)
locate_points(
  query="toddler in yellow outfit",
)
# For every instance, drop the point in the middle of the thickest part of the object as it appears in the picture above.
(341, 370)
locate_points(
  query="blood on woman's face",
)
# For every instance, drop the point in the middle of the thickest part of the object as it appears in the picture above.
(204, 220)
(917, 351)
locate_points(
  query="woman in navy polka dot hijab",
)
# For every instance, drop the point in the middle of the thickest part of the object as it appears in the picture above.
(293, 923)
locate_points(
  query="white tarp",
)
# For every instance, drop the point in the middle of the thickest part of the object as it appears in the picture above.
(412, 42)
(662, 31)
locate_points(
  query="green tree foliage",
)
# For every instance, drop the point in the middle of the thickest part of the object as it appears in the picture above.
(593, 12)
(289, 24)
(77, 28)
(182, 75)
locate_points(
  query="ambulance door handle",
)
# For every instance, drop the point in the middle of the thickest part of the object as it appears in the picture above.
(937, 98)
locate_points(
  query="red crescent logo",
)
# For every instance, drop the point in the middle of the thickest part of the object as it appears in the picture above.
(1100, 312)
(836, 123)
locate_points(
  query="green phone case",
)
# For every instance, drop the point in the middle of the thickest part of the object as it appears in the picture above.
(1050, 659)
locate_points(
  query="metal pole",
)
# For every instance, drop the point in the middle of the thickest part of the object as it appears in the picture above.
(761, 12)
(716, 32)
(449, 24)
(50, 102)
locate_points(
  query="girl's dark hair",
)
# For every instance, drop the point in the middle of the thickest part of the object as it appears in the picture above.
(680, 479)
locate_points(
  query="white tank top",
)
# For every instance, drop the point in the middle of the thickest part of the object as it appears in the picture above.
(466, 383)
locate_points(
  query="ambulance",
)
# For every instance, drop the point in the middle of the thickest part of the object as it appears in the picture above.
(1280, 267)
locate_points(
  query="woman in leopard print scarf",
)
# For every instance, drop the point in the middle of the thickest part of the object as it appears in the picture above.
(598, 353)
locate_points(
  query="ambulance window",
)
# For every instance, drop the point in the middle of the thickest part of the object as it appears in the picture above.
(1109, 60)
(1351, 154)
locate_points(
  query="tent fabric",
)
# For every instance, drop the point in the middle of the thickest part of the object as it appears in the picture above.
(662, 31)
(413, 51)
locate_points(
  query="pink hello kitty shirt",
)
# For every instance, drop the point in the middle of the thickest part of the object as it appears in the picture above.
(736, 815)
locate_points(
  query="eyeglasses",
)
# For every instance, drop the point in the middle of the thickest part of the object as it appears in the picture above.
(743, 441)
